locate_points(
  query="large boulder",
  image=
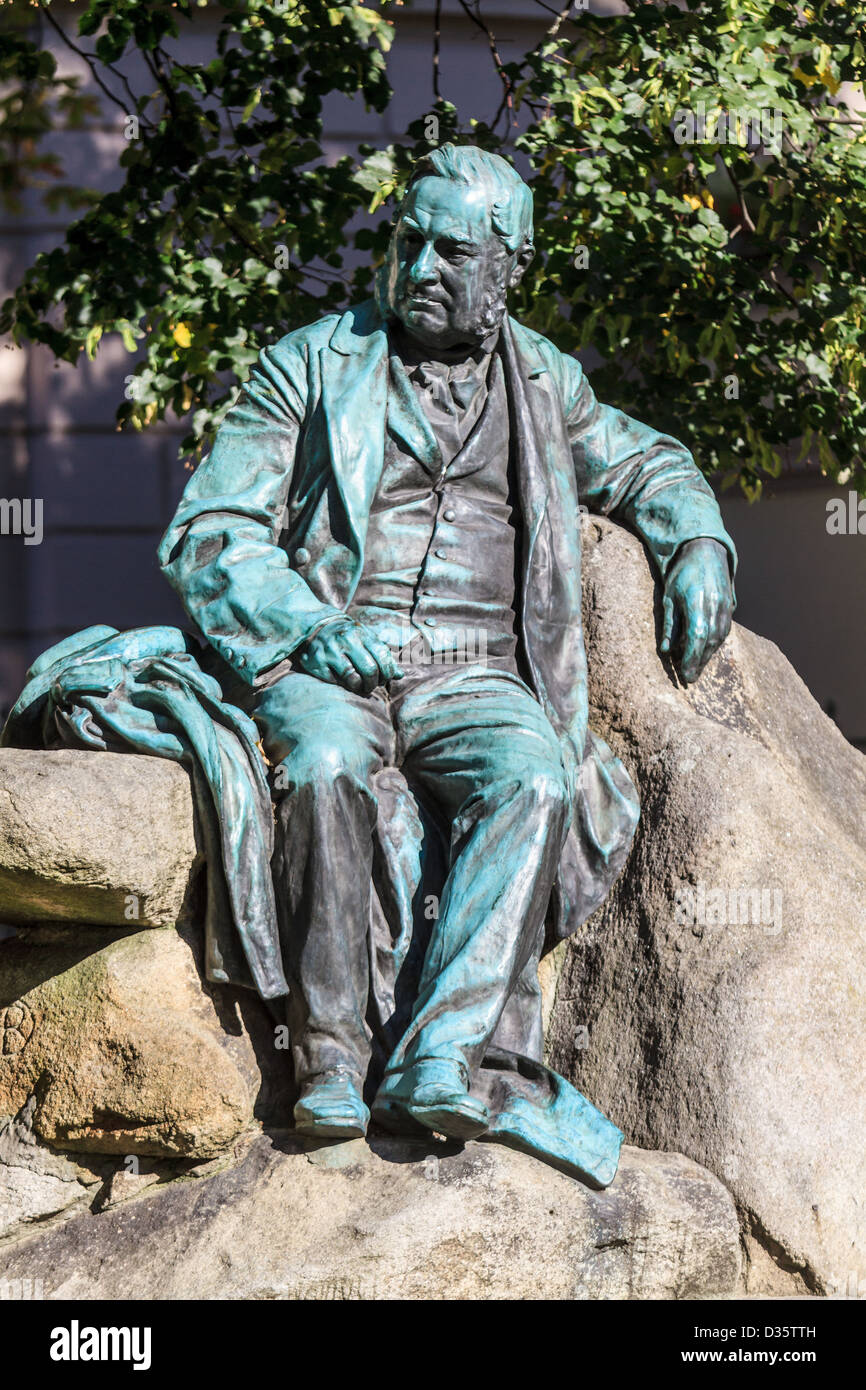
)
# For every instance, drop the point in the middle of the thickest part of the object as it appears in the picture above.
(36, 1183)
(115, 1047)
(394, 1219)
(92, 837)
(716, 1005)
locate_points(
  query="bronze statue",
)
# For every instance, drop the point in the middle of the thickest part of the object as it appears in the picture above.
(383, 550)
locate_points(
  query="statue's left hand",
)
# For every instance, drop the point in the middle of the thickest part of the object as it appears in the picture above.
(698, 605)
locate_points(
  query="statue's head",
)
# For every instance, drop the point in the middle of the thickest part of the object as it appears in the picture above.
(462, 238)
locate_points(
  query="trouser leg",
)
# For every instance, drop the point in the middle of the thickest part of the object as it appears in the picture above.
(326, 745)
(482, 749)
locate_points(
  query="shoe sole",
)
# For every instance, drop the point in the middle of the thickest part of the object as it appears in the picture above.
(457, 1124)
(394, 1117)
(331, 1129)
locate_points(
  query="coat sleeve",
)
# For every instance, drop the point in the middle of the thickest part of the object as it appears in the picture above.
(630, 472)
(221, 552)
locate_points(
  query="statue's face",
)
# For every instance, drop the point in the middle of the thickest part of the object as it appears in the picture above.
(448, 271)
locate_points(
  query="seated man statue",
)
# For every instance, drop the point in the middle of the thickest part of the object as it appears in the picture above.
(389, 481)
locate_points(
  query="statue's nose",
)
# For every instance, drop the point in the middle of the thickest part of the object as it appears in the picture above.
(423, 268)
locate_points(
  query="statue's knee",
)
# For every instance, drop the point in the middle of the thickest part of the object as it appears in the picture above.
(319, 765)
(546, 786)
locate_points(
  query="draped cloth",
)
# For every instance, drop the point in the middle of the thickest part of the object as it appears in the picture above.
(145, 691)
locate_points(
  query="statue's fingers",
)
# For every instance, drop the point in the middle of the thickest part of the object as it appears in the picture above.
(667, 623)
(384, 658)
(323, 671)
(364, 663)
(724, 619)
(719, 623)
(715, 638)
(379, 654)
(341, 671)
(694, 646)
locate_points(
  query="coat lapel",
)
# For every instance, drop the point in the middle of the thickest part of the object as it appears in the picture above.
(528, 410)
(407, 421)
(354, 400)
(550, 601)
(527, 384)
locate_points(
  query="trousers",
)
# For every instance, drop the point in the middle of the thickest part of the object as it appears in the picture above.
(481, 752)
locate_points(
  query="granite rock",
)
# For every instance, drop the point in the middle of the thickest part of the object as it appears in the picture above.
(716, 1005)
(97, 838)
(395, 1219)
(122, 1051)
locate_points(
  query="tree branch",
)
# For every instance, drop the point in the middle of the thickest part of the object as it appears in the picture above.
(561, 16)
(437, 42)
(85, 57)
(162, 80)
(747, 222)
(774, 280)
(479, 22)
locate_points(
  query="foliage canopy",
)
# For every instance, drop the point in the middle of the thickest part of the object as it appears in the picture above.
(714, 263)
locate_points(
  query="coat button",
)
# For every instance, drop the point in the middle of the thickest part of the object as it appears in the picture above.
(229, 654)
(431, 622)
(449, 513)
(441, 554)
(302, 556)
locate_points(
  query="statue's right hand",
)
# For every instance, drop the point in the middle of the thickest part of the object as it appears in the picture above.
(346, 653)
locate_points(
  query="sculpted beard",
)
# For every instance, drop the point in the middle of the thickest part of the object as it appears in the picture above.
(492, 308)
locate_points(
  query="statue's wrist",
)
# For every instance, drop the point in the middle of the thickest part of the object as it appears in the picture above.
(701, 548)
(330, 625)
(701, 543)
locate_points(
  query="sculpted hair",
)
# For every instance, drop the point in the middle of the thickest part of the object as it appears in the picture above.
(510, 199)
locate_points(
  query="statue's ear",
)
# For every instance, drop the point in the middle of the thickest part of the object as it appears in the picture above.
(521, 264)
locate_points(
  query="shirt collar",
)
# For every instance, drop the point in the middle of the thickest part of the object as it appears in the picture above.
(457, 363)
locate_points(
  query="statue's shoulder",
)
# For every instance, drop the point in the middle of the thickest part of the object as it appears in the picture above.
(535, 347)
(302, 340)
(358, 321)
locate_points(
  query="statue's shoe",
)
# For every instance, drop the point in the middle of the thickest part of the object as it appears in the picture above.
(392, 1115)
(454, 1113)
(332, 1109)
(434, 1093)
